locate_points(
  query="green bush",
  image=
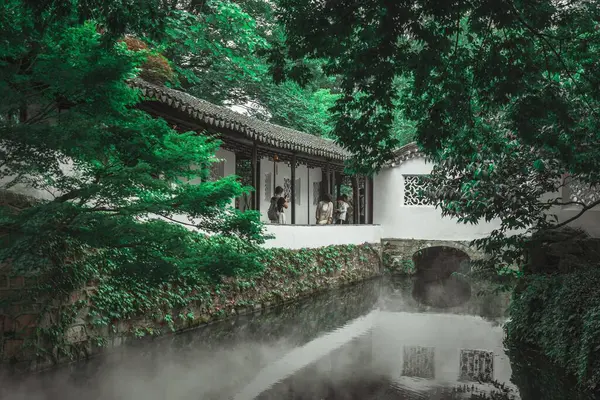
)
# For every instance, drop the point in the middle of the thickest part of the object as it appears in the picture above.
(560, 316)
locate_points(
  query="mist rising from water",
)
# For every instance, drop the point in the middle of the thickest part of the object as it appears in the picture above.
(222, 369)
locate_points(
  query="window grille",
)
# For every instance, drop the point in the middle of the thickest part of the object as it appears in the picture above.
(414, 187)
(418, 362)
(581, 192)
(287, 187)
(316, 192)
(476, 365)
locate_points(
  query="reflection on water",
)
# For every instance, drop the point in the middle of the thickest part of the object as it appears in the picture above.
(443, 293)
(385, 339)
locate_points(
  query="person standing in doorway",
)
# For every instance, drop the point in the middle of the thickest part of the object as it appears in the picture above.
(342, 210)
(272, 212)
(324, 214)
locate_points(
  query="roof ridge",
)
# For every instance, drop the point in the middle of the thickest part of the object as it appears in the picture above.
(254, 128)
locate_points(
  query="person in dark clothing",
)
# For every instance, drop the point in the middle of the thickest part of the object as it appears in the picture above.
(272, 212)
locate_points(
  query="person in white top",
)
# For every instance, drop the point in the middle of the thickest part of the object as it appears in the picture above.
(342, 210)
(324, 213)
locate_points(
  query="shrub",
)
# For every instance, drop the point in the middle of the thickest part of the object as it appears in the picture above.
(560, 315)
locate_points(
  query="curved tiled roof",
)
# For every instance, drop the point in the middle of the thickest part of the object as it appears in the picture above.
(405, 153)
(221, 117)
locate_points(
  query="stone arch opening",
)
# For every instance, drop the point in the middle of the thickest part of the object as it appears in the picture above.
(440, 262)
(435, 285)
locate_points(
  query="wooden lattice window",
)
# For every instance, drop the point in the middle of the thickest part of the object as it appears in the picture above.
(316, 192)
(419, 362)
(476, 365)
(414, 190)
(287, 187)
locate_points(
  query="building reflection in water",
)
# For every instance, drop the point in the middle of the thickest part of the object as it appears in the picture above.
(413, 350)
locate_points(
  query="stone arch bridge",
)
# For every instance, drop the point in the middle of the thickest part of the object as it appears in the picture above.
(398, 254)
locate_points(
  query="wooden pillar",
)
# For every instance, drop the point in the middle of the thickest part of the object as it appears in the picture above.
(274, 174)
(255, 178)
(309, 199)
(326, 179)
(338, 182)
(355, 200)
(258, 184)
(293, 194)
(333, 186)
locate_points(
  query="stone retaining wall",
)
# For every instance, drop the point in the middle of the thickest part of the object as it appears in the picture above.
(21, 320)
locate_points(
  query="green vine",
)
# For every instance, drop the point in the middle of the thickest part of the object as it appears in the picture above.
(134, 305)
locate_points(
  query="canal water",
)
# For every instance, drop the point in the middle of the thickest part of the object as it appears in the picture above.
(389, 338)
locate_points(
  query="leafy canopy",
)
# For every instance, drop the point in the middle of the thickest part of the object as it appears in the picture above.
(109, 178)
(502, 94)
(221, 49)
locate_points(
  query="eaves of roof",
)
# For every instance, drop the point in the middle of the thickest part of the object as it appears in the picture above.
(405, 153)
(217, 117)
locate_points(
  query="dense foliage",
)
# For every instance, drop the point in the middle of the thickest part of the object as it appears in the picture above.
(503, 94)
(560, 315)
(118, 192)
(286, 274)
(220, 50)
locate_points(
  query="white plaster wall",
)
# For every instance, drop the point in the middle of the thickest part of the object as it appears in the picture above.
(588, 221)
(298, 237)
(416, 222)
(447, 333)
(49, 194)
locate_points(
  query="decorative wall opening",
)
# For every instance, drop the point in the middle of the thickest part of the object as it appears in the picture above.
(316, 192)
(287, 188)
(414, 187)
(418, 362)
(476, 365)
(580, 192)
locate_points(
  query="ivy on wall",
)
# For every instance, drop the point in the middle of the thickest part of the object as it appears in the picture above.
(131, 305)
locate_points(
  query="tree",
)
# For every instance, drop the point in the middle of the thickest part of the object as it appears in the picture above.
(119, 203)
(222, 55)
(503, 94)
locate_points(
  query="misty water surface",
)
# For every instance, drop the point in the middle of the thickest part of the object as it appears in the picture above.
(384, 339)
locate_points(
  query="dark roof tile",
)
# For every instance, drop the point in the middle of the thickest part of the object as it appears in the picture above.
(222, 117)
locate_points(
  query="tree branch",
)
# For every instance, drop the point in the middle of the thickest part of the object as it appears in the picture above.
(583, 210)
(177, 222)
